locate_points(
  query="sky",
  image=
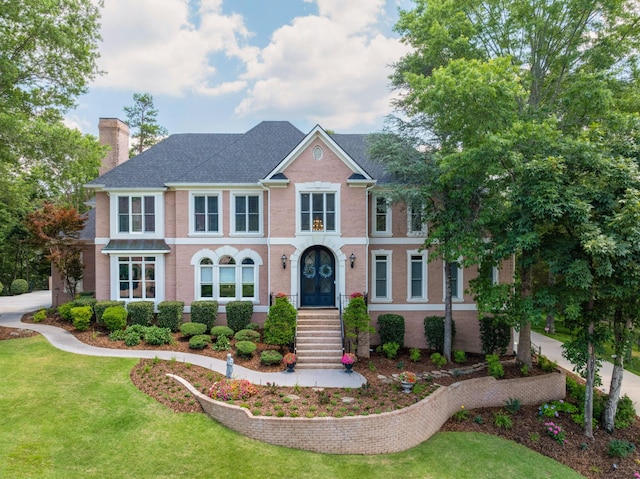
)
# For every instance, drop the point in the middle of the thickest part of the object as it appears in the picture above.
(222, 66)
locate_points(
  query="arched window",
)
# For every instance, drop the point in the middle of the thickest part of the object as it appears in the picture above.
(231, 276)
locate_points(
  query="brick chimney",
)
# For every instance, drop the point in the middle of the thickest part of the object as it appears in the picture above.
(114, 133)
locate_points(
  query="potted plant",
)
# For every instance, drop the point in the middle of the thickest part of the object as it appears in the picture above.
(289, 361)
(408, 380)
(348, 359)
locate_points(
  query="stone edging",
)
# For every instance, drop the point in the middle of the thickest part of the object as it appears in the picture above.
(386, 432)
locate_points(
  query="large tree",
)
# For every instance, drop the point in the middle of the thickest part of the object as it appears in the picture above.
(142, 119)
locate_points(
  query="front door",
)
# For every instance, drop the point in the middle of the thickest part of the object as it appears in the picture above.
(317, 278)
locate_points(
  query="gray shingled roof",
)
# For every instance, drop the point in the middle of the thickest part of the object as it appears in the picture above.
(223, 158)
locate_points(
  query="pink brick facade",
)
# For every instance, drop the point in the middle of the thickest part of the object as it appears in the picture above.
(316, 167)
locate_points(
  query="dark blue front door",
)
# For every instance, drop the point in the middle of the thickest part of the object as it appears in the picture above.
(317, 278)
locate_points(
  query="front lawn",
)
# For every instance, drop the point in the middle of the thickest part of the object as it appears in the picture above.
(70, 416)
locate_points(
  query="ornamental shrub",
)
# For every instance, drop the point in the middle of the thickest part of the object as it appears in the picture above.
(620, 448)
(100, 307)
(192, 329)
(390, 350)
(247, 335)
(132, 338)
(239, 314)
(494, 366)
(1, 287)
(253, 326)
(81, 317)
(280, 325)
(40, 316)
(495, 335)
(85, 301)
(434, 332)
(204, 312)
(391, 328)
(170, 315)
(199, 341)
(245, 348)
(625, 413)
(218, 331)
(19, 286)
(231, 389)
(117, 335)
(414, 355)
(222, 343)
(356, 320)
(459, 356)
(140, 312)
(156, 336)
(438, 359)
(64, 310)
(269, 357)
(115, 317)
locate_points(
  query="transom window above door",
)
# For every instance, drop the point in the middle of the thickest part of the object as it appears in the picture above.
(318, 212)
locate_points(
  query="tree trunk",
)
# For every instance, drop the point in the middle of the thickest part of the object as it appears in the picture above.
(524, 340)
(448, 312)
(364, 344)
(590, 380)
(550, 324)
(622, 344)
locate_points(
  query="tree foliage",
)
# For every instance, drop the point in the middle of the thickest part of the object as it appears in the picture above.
(142, 119)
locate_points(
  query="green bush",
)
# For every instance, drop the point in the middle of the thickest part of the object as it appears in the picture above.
(625, 413)
(117, 335)
(269, 357)
(459, 357)
(247, 335)
(438, 359)
(81, 317)
(140, 312)
(132, 338)
(280, 325)
(222, 343)
(64, 310)
(390, 350)
(19, 286)
(204, 312)
(115, 317)
(391, 328)
(620, 448)
(170, 315)
(495, 335)
(193, 329)
(1, 287)
(502, 420)
(494, 366)
(218, 331)
(253, 326)
(239, 314)
(85, 301)
(100, 307)
(356, 320)
(414, 355)
(245, 348)
(434, 332)
(156, 336)
(199, 341)
(546, 364)
(40, 316)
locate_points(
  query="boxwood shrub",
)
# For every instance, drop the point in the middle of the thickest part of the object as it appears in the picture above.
(170, 314)
(64, 310)
(239, 314)
(140, 312)
(115, 317)
(100, 307)
(192, 329)
(81, 317)
(199, 341)
(85, 301)
(205, 312)
(19, 286)
(269, 357)
(391, 329)
(217, 331)
(247, 335)
(245, 348)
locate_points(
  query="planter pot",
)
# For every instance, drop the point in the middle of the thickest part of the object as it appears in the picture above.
(407, 387)
(349, 368)
(290, 367)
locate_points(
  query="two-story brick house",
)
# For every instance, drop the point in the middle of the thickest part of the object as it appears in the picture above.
(243, 216)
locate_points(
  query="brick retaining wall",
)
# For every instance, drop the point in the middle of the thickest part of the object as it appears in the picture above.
(386, 432)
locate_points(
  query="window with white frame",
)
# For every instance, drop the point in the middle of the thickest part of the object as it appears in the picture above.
(318, 211)
(416, 221)
(226, 279)
(456, 281)
(136, 214)
(206, 213)
(137, 277)
(417, 276)
(246, 213)
(206, 278)
(382, 215)
(382, 276)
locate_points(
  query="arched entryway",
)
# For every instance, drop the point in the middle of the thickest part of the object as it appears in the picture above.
(317, 278)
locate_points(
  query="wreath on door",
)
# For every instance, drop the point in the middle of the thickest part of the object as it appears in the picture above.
(309, 271)
(325, 271)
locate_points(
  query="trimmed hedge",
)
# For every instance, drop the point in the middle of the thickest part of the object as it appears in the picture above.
(205, 312)
(280, 326)
(247, 335)
(391, 329)
(64, 310)
(434, 332)
(115, 317)
(100, 307)
(221, 331)
(269, 357)
(199, 341)
(192, 329)
(81, 317)
(85, 301)
(170, 314)
(245, 348)
(140, 312)
(239, 314)
(19, 286)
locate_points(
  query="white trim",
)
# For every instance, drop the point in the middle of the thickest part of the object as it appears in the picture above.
(318, 187)
(192, 222)
(232, 212)
(158, 206)
(421, 307)
(425, 267)
(422, 231)
(374, 214)
(115, 276)
(389, 286)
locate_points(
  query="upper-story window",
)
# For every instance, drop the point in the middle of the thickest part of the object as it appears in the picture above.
(136, 214)
(382, 215)
(318, 212)
(416, 221)
(246, 213)
(206, 213)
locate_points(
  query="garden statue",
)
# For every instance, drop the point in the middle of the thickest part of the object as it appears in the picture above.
(229, 366)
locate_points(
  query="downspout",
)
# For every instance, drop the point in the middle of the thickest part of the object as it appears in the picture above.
(367, 235)
(268, 190)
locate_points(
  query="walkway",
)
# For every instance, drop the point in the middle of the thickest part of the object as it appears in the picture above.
(12, 308)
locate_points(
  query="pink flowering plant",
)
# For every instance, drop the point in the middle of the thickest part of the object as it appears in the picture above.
(231, 389)
(349, 358)
(555, 431)
(281, 295)
(357, 295)
(289, 359)
(408, 377)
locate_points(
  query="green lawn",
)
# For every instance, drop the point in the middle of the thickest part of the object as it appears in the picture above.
(69, 416)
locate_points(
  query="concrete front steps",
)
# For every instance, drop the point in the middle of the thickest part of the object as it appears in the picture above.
(319, 340)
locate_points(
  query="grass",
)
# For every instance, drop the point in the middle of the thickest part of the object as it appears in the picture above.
(71, 416)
